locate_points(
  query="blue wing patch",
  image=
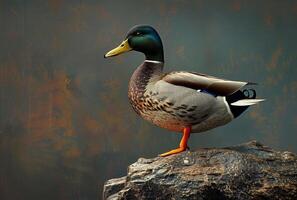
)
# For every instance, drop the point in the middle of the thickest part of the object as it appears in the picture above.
(207, 92)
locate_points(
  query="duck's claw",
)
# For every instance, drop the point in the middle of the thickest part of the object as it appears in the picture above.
(183, 143)
(174, 151)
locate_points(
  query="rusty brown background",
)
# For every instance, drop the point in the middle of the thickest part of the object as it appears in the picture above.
(65, 122)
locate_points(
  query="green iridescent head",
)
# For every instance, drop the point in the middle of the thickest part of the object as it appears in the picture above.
(144, 39)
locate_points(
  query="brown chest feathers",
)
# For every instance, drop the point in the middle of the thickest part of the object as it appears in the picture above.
(139, 99)
(143, 103)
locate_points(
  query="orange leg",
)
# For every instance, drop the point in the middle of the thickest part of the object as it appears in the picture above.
(183, 145)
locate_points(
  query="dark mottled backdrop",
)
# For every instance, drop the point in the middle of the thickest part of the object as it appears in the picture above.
(65, 122)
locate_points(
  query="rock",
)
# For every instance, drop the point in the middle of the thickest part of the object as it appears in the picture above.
(246, 171)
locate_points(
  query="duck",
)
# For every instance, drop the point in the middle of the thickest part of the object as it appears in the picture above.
(179, 101)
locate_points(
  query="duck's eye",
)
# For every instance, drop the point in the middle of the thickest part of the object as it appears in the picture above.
(138, 33)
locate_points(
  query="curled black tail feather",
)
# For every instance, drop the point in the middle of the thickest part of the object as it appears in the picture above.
(238, 95)
(249, 93)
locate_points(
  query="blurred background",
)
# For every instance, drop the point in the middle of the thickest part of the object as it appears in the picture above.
(66, 125)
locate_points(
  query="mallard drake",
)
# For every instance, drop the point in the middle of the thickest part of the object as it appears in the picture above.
(179, 101)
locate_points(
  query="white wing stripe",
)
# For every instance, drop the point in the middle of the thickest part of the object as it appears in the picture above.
(246, 102)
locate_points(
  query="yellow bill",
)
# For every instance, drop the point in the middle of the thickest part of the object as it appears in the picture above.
(122, 48)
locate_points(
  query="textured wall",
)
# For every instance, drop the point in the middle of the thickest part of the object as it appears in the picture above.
(65, 122)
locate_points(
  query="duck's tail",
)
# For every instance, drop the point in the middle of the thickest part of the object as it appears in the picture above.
(241, 100)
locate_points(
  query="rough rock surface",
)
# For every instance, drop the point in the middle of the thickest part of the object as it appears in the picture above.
(246, 171)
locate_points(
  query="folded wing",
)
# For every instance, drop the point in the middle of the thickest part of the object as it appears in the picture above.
(199, 81)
